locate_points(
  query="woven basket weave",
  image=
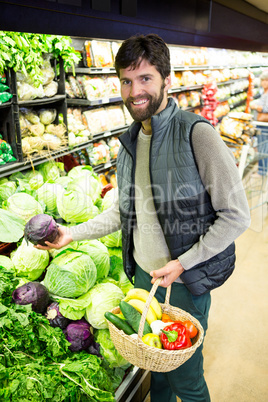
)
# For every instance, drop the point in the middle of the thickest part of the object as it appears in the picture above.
(150, 358)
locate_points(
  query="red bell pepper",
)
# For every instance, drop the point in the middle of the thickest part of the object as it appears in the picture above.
(175, 336)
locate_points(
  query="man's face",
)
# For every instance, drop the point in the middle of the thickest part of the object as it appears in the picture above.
(143, 91)
(264, 83)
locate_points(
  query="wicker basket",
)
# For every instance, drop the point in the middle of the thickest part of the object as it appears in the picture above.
(150, 358)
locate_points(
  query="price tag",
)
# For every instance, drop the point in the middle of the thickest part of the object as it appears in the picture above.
(107, 134)
(107, 165)
(105, 100)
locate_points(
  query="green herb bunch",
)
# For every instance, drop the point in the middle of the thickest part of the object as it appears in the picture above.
(24, 52)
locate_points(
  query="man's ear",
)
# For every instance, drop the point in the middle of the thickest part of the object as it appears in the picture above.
(167, 82)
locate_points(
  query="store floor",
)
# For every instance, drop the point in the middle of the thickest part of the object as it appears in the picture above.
(236, 344)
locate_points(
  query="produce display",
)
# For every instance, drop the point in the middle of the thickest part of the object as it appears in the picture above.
(55, 300)
(42, 362)
(40, 131)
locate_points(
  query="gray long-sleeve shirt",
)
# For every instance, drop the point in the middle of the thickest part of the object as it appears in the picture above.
(219, 175)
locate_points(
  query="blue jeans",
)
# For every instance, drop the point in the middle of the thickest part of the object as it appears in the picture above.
(187, 381)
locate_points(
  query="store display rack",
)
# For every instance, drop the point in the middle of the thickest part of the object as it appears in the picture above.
(11, 127)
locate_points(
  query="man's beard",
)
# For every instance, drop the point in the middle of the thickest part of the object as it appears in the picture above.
(153, 105)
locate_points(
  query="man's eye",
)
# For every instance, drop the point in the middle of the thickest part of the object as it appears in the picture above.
(125, 82)
(146, 78)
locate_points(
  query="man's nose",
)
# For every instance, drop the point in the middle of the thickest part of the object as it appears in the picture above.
(135, 90)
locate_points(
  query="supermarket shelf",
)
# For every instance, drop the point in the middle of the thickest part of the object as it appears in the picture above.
(14, 167)
(95, 102)
(219, 67)
(185, 88)
(5, 104)
(135, 387)
(42, 101)
(93, 70)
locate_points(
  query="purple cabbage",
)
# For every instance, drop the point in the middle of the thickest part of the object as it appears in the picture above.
(79, 334)
(41, 228)
(33, 293)
(55, 318)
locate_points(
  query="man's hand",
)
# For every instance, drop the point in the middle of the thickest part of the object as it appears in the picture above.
(170, 272)
(62, 240)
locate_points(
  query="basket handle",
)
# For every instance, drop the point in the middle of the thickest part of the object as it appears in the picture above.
(148, 302)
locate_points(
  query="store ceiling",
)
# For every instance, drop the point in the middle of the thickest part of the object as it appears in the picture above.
(261, 4)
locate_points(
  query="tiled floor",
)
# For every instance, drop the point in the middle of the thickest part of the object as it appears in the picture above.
(236, 344)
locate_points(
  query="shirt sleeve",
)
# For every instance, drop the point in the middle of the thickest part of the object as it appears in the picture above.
(220, 177)
(105, 223)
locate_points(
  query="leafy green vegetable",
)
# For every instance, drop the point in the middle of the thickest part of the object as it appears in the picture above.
(51, 170)
(101, 298)
(76, 207)
(99, 254)
(23, 205)
(70, 274)
(6, 263)
(48, 195)
(113, 239)
(11, 227)
(29, 261)
(81, 170)
(117, 272)
(7, 189)
(108, 350)
(89, 185)
(18, 51)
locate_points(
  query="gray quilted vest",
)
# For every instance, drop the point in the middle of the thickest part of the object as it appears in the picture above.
(182, 204)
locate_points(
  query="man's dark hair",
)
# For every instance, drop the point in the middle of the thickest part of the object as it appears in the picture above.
(144, 47)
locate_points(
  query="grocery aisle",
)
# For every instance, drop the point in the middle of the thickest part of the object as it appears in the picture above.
(236, 358)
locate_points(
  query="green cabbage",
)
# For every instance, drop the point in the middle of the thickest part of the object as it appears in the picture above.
(75, 207)
(101, 298)
(54, 252)
(117, 273)
(108, 350)
(88, 185)
(51, 170)
(99, 254)
(36, 180)
(63, 181)
(113, 239)
(108, 199)
(7, 263)
(80, 170)
(7, 189)
(29, 261)
(48, 195)
(23, 206)
(11, 227)
(70, 274)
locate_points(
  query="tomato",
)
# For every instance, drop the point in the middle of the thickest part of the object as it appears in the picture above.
(191, 329)
(166, 318)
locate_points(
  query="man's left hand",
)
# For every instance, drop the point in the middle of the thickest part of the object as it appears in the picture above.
(170, 272)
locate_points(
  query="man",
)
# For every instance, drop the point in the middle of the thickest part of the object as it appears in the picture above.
(181, 203)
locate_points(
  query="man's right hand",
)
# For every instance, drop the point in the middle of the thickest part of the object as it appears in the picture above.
(62, 240)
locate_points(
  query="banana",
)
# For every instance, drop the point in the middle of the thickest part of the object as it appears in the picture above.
(139, 306)
(142, 294)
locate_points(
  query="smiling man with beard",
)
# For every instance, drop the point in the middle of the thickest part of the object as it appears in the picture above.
(180, 203)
